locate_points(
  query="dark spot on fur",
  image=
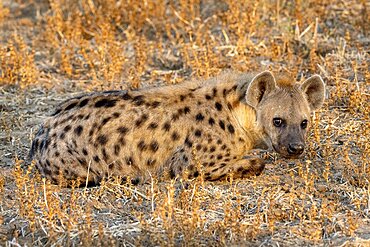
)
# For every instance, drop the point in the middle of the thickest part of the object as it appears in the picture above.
(61, 136)
(155, 104)
(199, 147)
(154, 146)
(105, 120)
(47, 162)
(205, 149)
(122, 130)
(196, 174)
(74, 142)
(78, 130)
(67, 128)
(111, 166)
(84, 151)
(208, 97)
(82, 162)
(150, 162)
(126, 97)
(212, 149)
(105, 155)
(212, 163)
(219, 141)
(56, 112)
(175, 136)
(172, 173)
(80, 116)
(214, 91)
(198, 133)
(117, 149)
(102, 139)
(138, 100)
(141, 120)
(211, 121)
(166, 126)
(83, 102)
(218, 106)
(153, 125)
(116, 115)
(70, 106)
(47, 171)
(186, 110)
(229, 106)
(219, 157)
(182, 97)
(141, 146)
(105, 103)
(122, 141)
(231, 128)
(199, 117)
(188, 142)
(129, 161)
(57, 154)
(223, 147)
(175, 116)
(222, 124)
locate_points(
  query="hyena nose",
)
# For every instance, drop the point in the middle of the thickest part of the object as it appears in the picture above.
(295, 148)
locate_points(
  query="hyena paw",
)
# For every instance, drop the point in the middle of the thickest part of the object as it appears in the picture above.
(252, 166)
(262, 154)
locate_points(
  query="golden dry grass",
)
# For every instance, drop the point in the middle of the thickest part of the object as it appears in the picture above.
(51, 50)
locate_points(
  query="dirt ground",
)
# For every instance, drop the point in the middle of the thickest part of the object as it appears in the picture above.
(53, 50)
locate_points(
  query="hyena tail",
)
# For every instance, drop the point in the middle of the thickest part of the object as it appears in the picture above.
(39, 144)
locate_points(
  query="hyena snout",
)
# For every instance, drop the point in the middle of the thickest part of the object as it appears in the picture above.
(295, 148)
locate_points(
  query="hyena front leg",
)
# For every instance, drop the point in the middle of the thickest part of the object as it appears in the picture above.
(247, 166)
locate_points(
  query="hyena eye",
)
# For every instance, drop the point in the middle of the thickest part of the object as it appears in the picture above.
(304, 124)
(278, 122)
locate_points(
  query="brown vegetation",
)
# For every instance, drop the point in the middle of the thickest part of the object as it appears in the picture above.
(50, 50)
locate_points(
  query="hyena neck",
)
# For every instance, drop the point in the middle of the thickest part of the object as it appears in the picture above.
(245, 117)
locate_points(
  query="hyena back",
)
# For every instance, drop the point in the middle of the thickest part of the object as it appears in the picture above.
(164, 131)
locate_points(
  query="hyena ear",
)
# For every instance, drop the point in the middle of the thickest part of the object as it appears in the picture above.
(260, 86)
(314, 88)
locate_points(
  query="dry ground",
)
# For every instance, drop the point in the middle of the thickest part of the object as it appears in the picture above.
(52, 50)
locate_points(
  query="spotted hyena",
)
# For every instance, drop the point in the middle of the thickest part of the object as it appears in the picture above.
(163, 131)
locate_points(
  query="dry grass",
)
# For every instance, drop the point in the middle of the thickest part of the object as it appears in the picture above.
(50, 50)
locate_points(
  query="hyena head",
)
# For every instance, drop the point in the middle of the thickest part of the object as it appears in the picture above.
(283, 110)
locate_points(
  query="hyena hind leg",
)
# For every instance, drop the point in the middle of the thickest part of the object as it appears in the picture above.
(179, 162)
